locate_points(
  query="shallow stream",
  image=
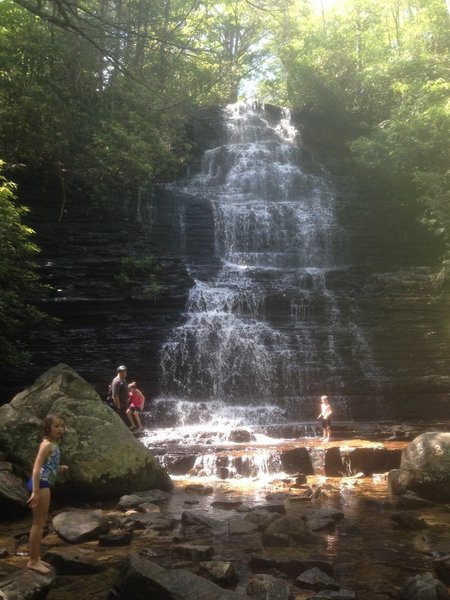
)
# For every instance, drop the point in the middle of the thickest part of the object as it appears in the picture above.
(371, 555)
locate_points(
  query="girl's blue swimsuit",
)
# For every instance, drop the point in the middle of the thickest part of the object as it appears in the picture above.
(49, 470)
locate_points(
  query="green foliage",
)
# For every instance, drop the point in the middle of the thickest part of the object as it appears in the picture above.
(140, 274)
(409, 147)
(122, 281)
(94, 103)
(155, 287)
(94, 98)
(380, 68)
(137, 266)
(19, 283)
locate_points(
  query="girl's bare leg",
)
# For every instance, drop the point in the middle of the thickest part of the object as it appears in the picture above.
(137, 420)
(40, 514)
(130, 417)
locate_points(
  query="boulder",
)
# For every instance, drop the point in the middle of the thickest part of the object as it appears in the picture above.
(25, 584)
(241, 436)
(315, 579)
(222, 573)
(199, 488)
(333, 465)
(268, 587)
(76, 526)
(323, 513)
(426, 460)
(287, 531)
(113, 540)
(143, 497)
(226, 504)
(193, 552)
(180, 465)
(73, 561)
(143, 579)
(13, 493)
(272, 507)
(406, 521)
(373, 460)
(261, 518)
(104, 458)
(238, 526)
(296, 460)
(290, 566)
(442, 568)
(322, 524)
(398, 481)
(412, 500)
(155, 522)
(191, 518)
(341, 594)
(424, 587)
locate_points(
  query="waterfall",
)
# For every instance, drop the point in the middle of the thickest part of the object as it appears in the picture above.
(272, 327)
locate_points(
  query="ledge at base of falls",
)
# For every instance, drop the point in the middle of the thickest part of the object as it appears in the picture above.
(343, 458)
(291, 449)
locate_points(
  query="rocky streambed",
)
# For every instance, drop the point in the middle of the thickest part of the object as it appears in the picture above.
(231, 517)
(294, 538)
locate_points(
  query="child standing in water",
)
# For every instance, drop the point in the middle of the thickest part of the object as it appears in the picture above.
(325, 417)
(45, 469)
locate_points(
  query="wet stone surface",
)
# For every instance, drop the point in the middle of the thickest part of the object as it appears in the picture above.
(363, 548)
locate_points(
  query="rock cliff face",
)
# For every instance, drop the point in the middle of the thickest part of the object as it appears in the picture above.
(370, 320)
(107, 319)
(394, 263)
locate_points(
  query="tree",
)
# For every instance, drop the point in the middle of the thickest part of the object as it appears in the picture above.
(96, 96)
(409, 144)
(19, 282)
(380, 68)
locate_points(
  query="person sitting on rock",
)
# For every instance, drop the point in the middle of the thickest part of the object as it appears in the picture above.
(137, 400)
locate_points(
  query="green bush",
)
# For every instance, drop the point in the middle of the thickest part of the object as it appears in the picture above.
(19, 282)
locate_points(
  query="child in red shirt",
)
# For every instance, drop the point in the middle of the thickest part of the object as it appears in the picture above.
(136, 405)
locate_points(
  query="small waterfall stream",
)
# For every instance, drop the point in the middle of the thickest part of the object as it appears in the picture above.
(271, 328)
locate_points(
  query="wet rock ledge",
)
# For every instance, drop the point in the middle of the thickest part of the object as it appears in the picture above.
(338, 458)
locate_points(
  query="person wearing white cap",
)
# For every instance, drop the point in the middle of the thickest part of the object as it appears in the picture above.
(119, 390)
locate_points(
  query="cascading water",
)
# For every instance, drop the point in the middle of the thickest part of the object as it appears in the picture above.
(265, 332)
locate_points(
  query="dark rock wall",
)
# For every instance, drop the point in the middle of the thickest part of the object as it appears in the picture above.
(402, 307)
(101, 324)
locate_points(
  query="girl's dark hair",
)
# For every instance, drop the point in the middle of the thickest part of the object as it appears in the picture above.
(49, 420)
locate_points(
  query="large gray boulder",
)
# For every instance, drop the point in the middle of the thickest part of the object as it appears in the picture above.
(25, 584)
(425, 466)
(287, 531)
(424, 587)
(13, 494)
(142, 579)
(105, 460)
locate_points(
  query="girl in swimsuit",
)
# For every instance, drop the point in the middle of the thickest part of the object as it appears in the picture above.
(45, 469)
